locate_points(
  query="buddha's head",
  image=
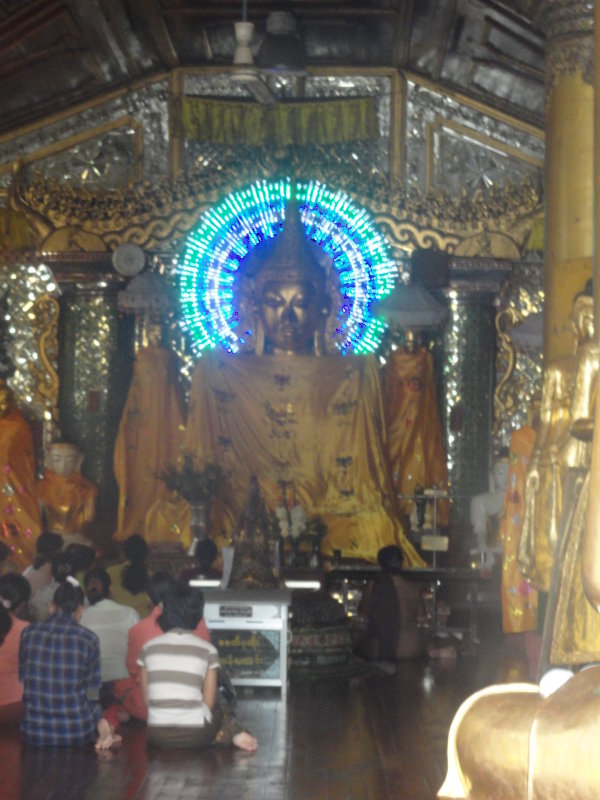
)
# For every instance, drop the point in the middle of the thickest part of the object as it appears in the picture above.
(582, 314)
(64, 458)
(290, 294)
(7, 399)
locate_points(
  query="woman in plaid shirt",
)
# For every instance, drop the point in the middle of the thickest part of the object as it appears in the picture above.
(59, 666)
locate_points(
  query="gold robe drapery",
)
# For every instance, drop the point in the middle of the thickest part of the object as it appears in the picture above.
(417, 454)
(519, 598)
(68, 501)
(316, 422)
(149, 436)
(20, 521)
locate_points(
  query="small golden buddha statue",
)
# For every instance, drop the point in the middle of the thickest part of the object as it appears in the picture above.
(67, 499)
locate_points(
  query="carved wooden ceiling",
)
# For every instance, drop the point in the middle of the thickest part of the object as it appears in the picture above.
(55, 53)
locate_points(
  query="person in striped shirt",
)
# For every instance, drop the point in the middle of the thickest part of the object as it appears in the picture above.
(178, 676)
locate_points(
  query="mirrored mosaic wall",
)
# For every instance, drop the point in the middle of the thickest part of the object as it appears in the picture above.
(456, 147)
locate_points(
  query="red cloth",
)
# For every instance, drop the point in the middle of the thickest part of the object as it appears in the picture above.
(128, 691)
(11, 689)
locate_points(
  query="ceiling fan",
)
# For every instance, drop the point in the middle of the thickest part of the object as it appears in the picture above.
(281, 53)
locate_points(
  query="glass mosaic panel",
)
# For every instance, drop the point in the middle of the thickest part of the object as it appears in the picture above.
(20, 286)
(102, 162)
(148, 105)
(425, 107)
(96, 365)
(469, 341)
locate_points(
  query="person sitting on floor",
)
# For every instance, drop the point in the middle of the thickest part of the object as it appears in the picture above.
(59, 666)
(39, 574)
(82, 557)
(41, 599)
(129, 578)
(14, 594)
(128, 691)
(205, 553)
(110, 622)
(179, 681)
(394, 610)
(396, 615)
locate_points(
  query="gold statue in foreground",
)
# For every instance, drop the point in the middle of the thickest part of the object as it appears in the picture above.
(529, 741)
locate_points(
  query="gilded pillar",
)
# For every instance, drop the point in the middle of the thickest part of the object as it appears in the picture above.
(569, 165)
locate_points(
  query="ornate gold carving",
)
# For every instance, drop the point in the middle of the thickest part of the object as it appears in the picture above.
(158, 216)
(569, 28)
(504, 402)
(45, 328)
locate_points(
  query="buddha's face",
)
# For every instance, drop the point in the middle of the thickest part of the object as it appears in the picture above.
(63, 459)
(289, 313)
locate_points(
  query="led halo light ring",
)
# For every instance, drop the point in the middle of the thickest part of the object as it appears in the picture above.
(226, 233)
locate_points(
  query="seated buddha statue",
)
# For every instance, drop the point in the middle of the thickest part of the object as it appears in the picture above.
(291, 413)
(20, 522)
(67, 499)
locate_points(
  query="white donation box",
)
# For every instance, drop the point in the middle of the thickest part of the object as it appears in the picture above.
(249, 628)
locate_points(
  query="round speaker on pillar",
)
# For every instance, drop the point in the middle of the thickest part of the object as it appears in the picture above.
(430, 268)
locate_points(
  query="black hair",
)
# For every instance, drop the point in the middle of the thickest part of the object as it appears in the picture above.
(134, 576)
(159, 585)
(183, 608)
(390, 558)
(47, 545)
(61, 567)
(97, 585)
(205, 553)
(68, 597)
(15, 589)
(5, 623)
(81, 556)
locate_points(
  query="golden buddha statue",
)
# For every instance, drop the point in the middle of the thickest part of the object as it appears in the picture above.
(416, 450)
(67, 499)
(556, 452)
(20, 522)
(573, 629)
(289, 412)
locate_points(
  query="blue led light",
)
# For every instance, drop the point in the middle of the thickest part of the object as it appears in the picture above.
(209, 266)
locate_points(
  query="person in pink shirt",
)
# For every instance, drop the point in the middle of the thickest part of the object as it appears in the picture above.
(14, 594)
(128, 691)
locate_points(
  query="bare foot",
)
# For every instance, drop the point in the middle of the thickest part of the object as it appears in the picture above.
(106, 736)
(245, 741)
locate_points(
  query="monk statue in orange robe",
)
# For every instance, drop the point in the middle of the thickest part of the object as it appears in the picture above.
(417, 453)
(20, 522)
(289, 412)
(68, 500)
(149, 437)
